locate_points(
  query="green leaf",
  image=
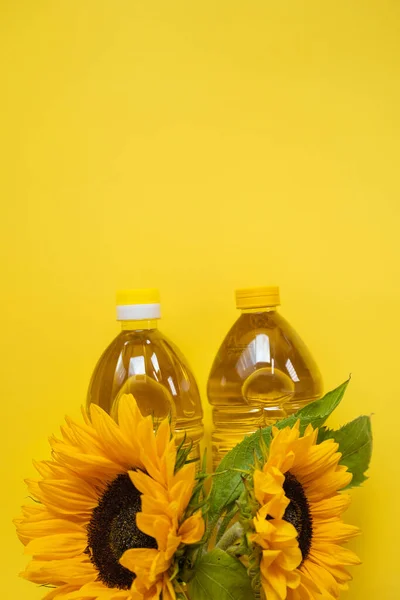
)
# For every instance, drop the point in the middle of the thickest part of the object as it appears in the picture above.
(355, 444)
(227, 481)
(220, 576)
(318, 411)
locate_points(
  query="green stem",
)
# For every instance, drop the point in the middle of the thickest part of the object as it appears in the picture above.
(231, 536)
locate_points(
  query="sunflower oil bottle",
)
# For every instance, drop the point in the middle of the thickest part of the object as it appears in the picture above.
(141, 361)
(262, 372)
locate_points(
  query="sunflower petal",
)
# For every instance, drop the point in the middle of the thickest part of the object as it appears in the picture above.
(140, 591)
(182, 489)
(137, 559)
(116, 446)
(268, 557)
(68, 497)
(325, 582)
(97, 591)
(129, 416)
(330, 507)
(192, 530)
(76, 571)
(276, 583)
(328, 484)
(333, 531)
(168, 592)
(58, 546)
(61, 592)
(145, 484)
(157, 527)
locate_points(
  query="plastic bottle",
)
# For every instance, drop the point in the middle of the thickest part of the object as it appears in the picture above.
(141, 361)
(262, 372)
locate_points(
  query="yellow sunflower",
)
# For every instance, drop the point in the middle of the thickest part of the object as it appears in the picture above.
(111, 510)
(298, 528)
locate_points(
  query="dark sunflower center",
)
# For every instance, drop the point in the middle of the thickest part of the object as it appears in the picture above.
(112, 530)
(298, 513)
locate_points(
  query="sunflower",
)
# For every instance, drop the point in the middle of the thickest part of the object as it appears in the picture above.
(297, 530)
(111, 511)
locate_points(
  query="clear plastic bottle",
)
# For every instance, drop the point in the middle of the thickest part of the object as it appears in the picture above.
(262, 372)
(141, 361)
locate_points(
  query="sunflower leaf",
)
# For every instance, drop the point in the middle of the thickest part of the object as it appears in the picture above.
(219, 575)
(355, 444)
(318, 411)
(227, 480)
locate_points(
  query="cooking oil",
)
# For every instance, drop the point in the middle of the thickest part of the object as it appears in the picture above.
(141, 361)
(262, 372)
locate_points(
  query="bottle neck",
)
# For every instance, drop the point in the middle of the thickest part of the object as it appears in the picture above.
(259, 309)
(139, 325)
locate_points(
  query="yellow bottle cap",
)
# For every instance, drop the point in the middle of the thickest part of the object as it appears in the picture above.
(139, 304)
(258, 297)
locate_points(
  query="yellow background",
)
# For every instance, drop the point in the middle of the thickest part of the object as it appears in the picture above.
(197, 147)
